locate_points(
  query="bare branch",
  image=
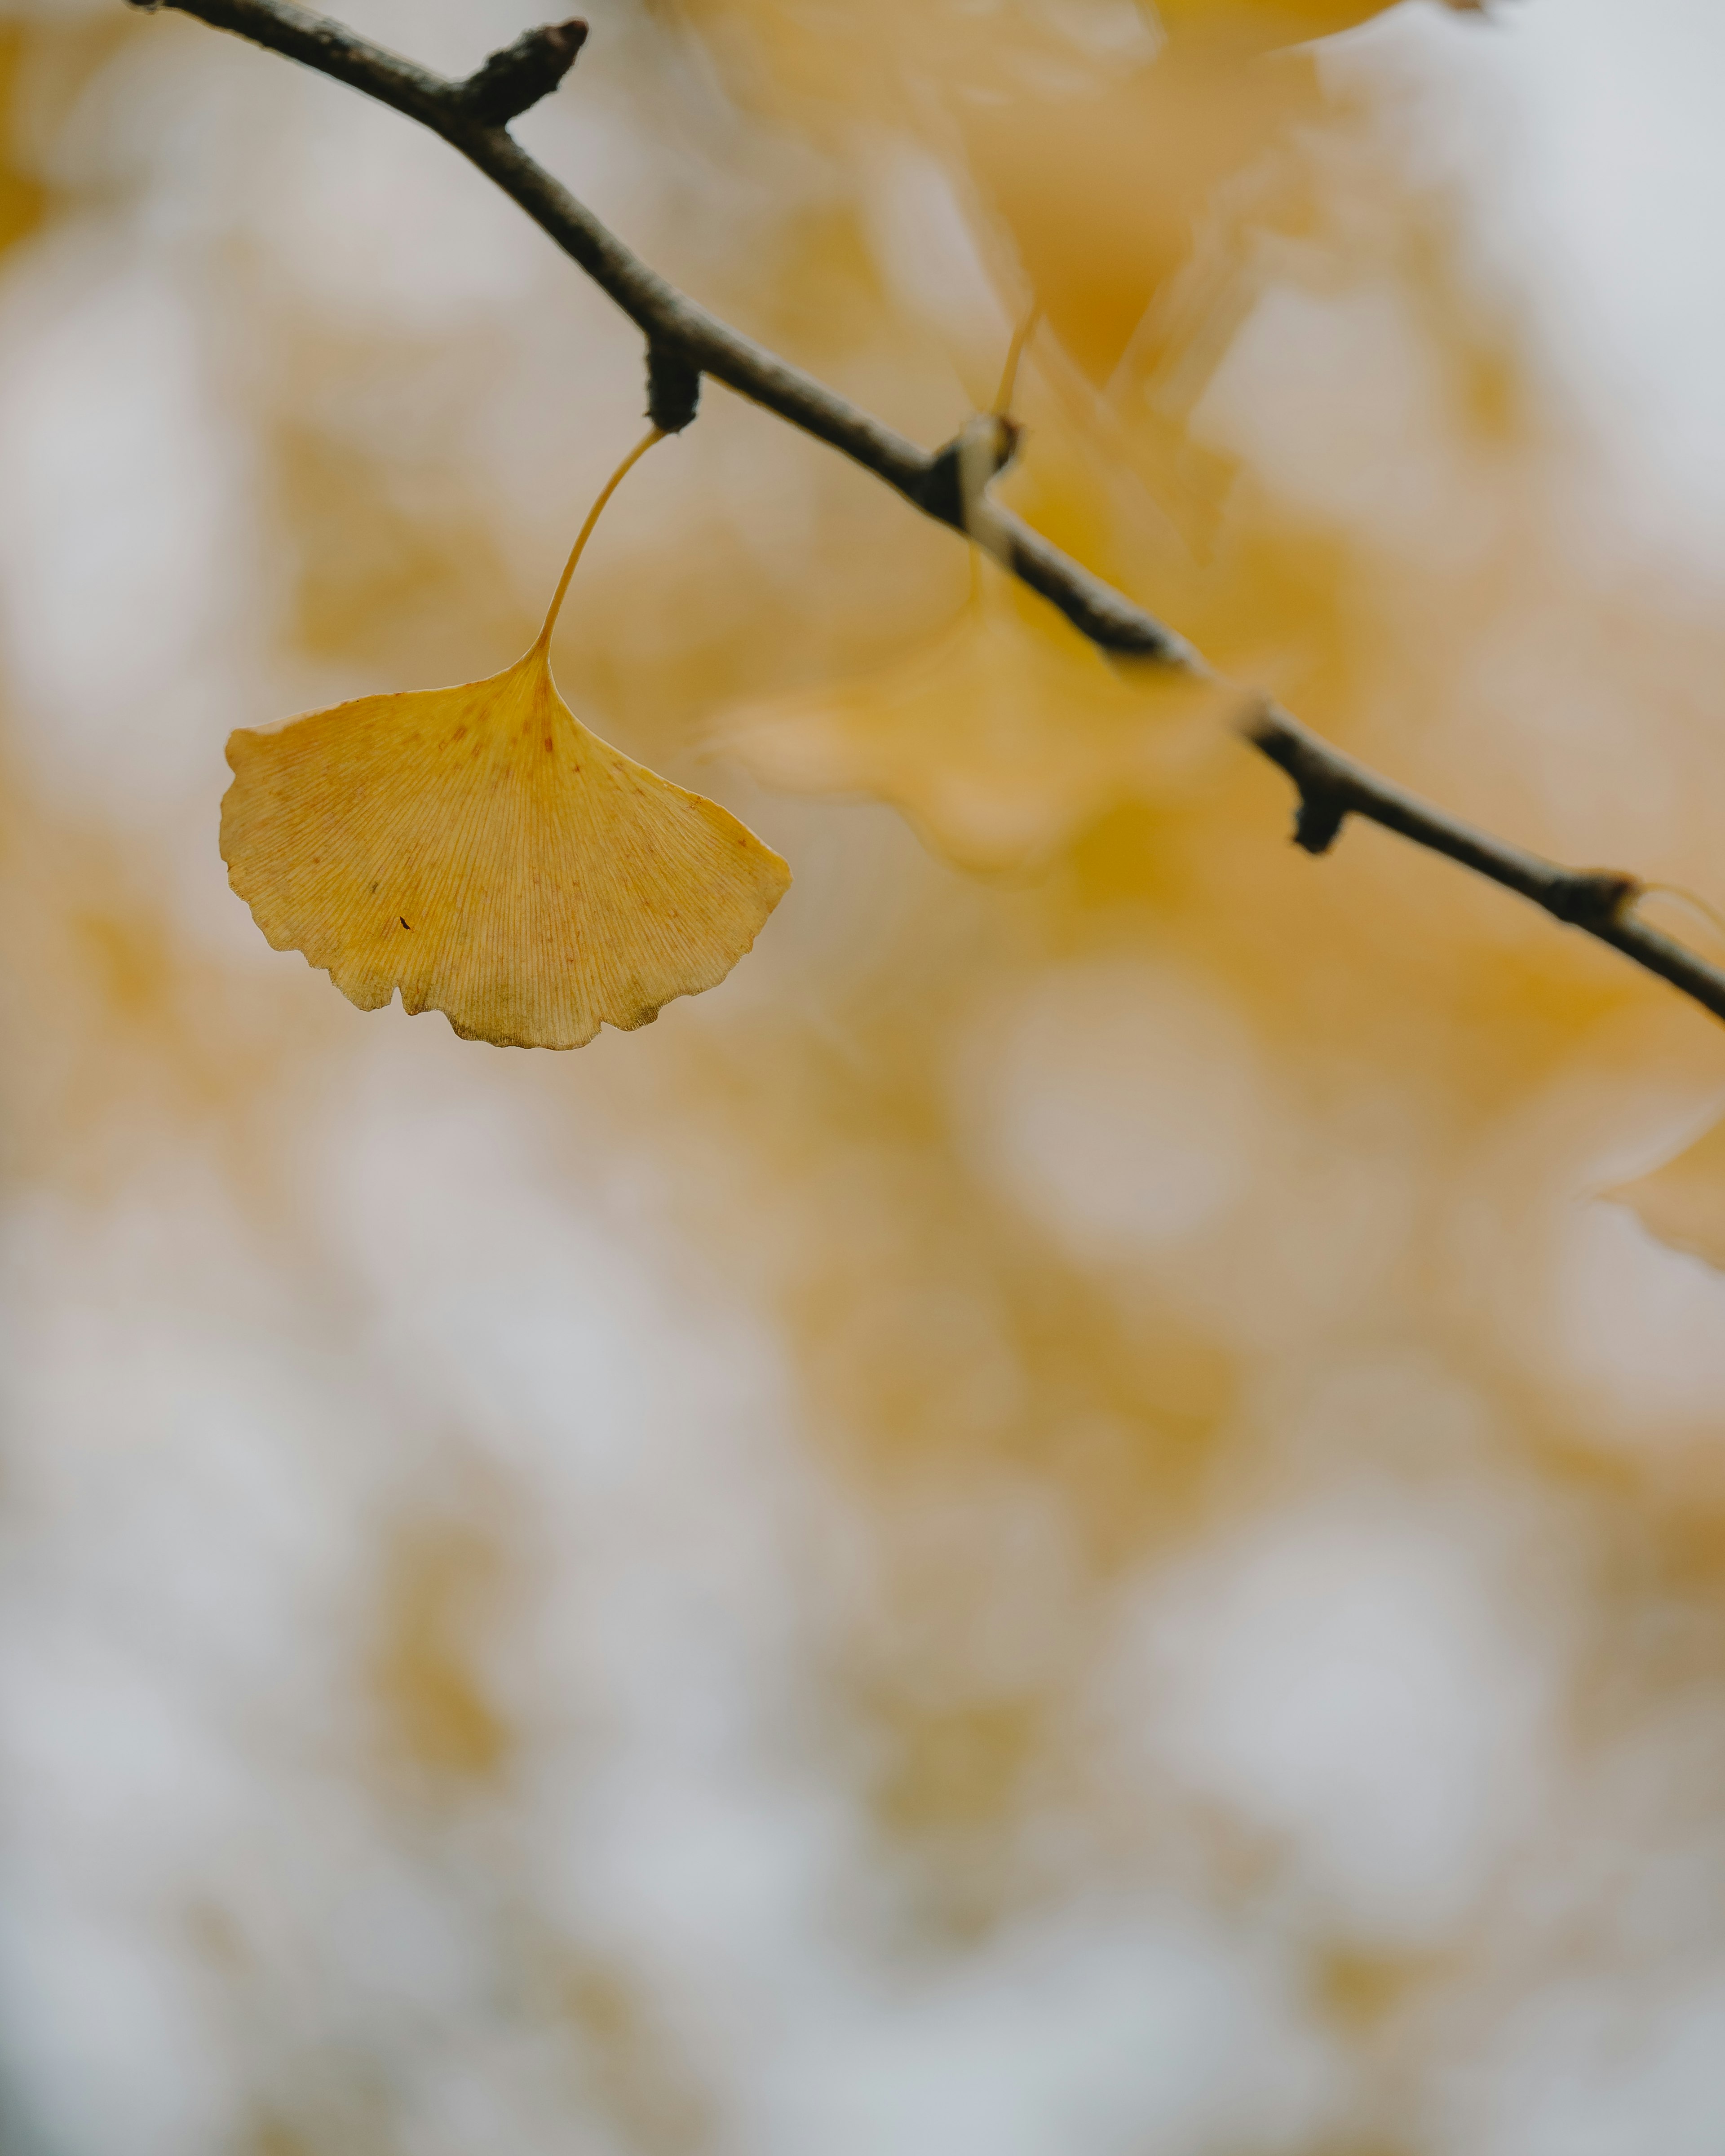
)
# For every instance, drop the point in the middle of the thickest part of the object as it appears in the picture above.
(685, 341)
(1332, 787)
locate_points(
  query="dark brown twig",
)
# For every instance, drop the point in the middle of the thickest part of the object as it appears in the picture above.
(521, 74)
(673, 388)
(685, 343)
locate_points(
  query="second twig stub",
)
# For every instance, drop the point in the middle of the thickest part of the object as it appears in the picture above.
(521, 74)
(673, 388)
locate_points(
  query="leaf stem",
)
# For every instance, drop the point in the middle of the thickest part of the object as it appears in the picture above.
(1015, 351)
(653, 434)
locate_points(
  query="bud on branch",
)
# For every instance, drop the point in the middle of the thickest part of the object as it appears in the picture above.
(521, 74)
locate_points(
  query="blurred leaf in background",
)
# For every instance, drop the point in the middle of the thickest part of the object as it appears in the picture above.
(1682, 1201)
(1000, 737)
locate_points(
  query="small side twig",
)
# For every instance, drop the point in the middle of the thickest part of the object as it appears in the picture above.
(673, 388)
(1601, 902)
(517, 77)
(952, 488)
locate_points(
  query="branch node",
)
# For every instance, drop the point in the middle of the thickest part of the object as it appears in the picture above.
(673, 388)
(1320, 816)
(1325, 797)
(517, 77)
(957, 475)
(1592, 898)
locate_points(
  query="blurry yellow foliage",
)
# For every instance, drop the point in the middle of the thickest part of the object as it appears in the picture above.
(1263, 25)
(1000, 737)
(22, 196)
(1117, 181)
(438, 1715)
(1103, 193)
(481, 850)
(1682, 1202)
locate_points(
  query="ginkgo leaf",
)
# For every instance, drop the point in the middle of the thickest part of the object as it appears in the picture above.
(999, 740)
(482, 851)
(1682, 1202)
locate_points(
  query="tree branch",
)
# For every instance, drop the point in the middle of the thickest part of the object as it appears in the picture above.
(1601, 901)
(685, 343)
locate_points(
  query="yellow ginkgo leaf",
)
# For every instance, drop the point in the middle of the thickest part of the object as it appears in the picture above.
(1682, 1202)
(480, 849)
(999, 740)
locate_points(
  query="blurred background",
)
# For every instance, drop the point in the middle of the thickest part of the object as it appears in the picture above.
(1056, 1523)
